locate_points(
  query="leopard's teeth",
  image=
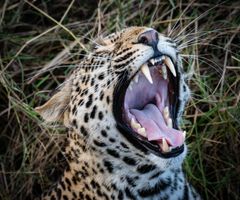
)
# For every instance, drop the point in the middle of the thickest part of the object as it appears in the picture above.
(130, 86)
(170, 65)
(184, 135)
(164, 72)
(152, 61)
(166, 112)
(159, 59)
(136, 78)
(142, 132)
(134, 124)
(169, 123)
(145, 70)
(164, 146)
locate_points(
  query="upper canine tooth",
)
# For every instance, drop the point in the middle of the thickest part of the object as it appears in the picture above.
(134, 124)
(170, 65)
(145, 70)
(164, 72)
(169, 123)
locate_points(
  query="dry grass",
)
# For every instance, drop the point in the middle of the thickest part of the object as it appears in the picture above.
(41, 42)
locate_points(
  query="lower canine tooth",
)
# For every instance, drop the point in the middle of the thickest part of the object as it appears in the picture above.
(130, 87)
(169, 123)
(184, 135)
(136, 78)
(164, 145)
(166, 112)
(134, 124)
(164, 72)
(142, 132)
(145, 70)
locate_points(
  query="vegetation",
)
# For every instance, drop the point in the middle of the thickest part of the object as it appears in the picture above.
(41, 41)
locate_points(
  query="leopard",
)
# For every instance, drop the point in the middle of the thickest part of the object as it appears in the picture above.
(122, 107)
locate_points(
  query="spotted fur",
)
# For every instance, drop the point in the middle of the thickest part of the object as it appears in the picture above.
(102, 163)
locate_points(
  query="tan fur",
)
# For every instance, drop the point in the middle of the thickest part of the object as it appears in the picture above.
(55, 109)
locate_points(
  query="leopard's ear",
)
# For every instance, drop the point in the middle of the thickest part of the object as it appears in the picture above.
(55, 109)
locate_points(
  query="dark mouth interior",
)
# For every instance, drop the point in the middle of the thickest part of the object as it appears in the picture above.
(148, 111)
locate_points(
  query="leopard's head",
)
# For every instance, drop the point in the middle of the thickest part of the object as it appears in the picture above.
(126, 98)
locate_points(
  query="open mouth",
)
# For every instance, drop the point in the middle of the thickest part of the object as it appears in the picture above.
(149, 107)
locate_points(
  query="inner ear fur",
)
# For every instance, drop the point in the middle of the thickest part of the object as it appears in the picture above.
(56, 108)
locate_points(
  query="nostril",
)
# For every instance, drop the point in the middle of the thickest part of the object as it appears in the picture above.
(143, 39)
(149, 38)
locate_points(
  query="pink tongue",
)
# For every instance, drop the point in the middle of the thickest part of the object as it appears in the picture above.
(151, 118)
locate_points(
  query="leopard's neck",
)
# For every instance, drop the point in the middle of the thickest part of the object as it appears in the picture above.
(89, 170)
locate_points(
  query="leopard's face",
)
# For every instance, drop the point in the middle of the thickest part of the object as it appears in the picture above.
(127, 97)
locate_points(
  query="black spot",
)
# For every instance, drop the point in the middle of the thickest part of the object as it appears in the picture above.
(159, 186)
(63, 185)
(101, 95)
(108, 165)
(80, 103)
(65, 197)
(74, 109)
(145, 168)
(98, 143)
(112, 140)
(185, 192)
(89, 103)
(155, 175)
(59, 193)
(113, 153)
(86, 186)
(78, 89)
(129, 193)
(129, 161)
(101, 76)
(83, 131)
(74, 195)
(100, 115)
(92, 82)
(124, 145)
(124, 57)
(108, 99)
(88, 197)
(74, 122)
(68, 181)
(81, 195)
(120, 195)
(93, 184)
(99, 193)
(130, 181)
(53, 197)
(124, 64)
(104, 133)
(92, 115)
(86, 118)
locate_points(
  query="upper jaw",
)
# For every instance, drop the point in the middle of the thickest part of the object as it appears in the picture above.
(164, 61)
(164, 64)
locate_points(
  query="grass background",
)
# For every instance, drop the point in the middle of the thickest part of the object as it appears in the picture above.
(41, 41)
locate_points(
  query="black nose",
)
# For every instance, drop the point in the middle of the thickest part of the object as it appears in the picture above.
(149, 38)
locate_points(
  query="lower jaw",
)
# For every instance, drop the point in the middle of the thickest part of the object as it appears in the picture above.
(138, 142)
(146, 146)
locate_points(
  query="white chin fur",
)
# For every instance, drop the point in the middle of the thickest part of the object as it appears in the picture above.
(167, 163)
